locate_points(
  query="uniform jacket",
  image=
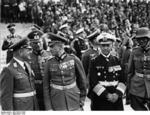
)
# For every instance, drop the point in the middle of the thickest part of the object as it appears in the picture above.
(139, 62)
(105, 77)
(64, 71)
(14, 79)
(37, 64)
(86, 57)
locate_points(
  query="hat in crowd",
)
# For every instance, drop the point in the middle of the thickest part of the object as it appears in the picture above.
(22, 43)
(93, 36)
(105, 38)
(79, 31)
(53, 38)
(35, 35)
(11, 26)
(35, 27)
(142, 32)
(63, 26)
(118, 39)
(61, 33)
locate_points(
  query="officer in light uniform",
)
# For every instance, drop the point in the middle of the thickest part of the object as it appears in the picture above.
(106, 81)
(64, 81)
(17, 80)
(139, 71)
(38, 58)
(9, 40)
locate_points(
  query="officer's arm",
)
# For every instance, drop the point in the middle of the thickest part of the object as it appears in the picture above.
(46, 87)
(94, 85)
(121, 87)
(85, 62)
(131, 66)
(131, 69)
(6, 82)
(81, 79)
(5, 45)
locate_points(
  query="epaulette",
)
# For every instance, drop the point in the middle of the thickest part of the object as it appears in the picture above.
(6, 65)
(94, 57)
(73, 55)
(50, 57)
(134, 48)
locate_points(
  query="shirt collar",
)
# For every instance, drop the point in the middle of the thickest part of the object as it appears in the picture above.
(105, 55)
(20, 62)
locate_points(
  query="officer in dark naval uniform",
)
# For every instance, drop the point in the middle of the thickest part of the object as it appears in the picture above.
(11, 38)
(139, 71)
(91, 52)
(37, 61)
(17, 80)
(64, 81)
(105, 77)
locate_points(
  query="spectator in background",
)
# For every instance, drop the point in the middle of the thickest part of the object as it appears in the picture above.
(9, 40)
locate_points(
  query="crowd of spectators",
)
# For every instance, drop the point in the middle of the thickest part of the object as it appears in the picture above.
(116, 16)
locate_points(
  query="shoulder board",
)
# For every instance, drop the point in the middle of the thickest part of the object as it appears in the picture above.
(134, 48)
(73, 55)
(115, 56)
(6, 65)
(94, 57)
(50, 57)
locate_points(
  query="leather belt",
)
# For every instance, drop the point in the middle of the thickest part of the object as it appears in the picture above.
(63, 87)
(29, 94)
(108, 83)
(142, 75)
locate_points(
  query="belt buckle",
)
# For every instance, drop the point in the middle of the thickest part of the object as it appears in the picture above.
(64, 87)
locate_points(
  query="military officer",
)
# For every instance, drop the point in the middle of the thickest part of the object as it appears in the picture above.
(78, 44)
(106, 82)
(37, 61)
(139, 71)
(17, 80)
(10, 39)
(91, 52)
(64, 81)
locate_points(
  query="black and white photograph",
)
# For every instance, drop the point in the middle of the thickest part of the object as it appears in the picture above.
(74, 55)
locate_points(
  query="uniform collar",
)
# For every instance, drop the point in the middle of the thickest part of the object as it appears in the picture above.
(105, 55)
(20, 62)
(61, 57)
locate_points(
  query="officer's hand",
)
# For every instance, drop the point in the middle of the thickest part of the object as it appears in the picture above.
(115, 97)
(110, 97)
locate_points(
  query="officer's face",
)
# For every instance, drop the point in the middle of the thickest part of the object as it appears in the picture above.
(142, 41)
(55, 49)
(12, 30)
(106, 48)
(25, 53)
(37, 45)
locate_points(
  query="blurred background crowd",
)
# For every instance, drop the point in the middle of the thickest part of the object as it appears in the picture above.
(119, 15)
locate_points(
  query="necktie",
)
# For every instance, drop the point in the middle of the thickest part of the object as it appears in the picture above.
(26, 68)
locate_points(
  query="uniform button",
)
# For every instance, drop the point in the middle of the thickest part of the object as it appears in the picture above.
(105, 77)
(116, 73)
(104, 71)
(98, 73)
